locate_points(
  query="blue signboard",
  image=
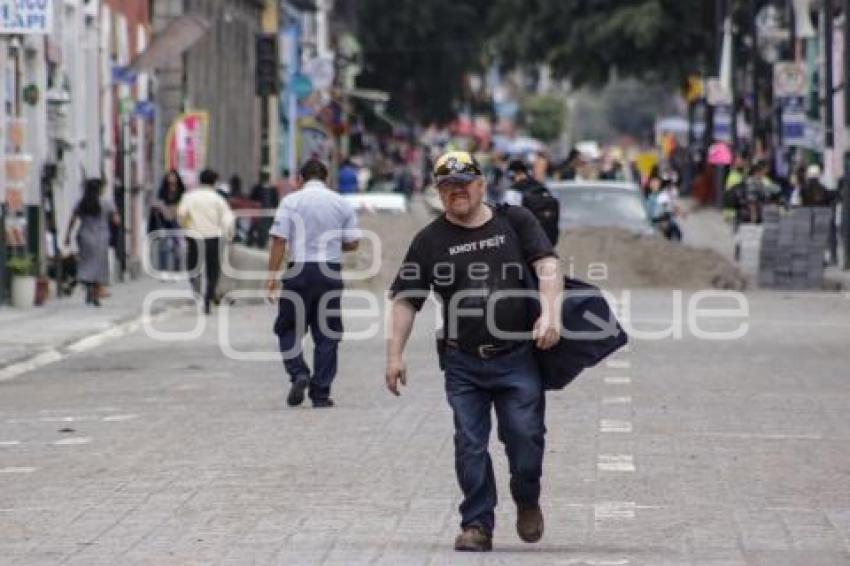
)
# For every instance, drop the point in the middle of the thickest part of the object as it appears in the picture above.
(26, 17)
(793, 122)
(723, 123)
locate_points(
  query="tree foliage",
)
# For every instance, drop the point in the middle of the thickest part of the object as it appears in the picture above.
(544, 116)
(588, 41)
(420, 52)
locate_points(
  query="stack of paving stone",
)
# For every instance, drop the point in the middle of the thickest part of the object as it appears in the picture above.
(748, 244)
(792, 248)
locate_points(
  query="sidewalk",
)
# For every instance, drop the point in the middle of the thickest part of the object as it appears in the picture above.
(25, 334)
(837, 278)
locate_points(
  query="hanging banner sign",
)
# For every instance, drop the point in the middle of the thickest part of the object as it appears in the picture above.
(793, 122)
(186, 146)
(26, 17)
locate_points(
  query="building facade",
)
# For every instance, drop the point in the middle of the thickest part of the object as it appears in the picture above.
(216, 75)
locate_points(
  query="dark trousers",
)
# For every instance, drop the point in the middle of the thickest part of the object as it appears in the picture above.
(212, 264)
(511, 383)
(311, 301)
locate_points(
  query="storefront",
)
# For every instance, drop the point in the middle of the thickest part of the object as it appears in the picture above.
(23, 27)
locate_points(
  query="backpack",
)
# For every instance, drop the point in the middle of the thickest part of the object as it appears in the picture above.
(546, 208)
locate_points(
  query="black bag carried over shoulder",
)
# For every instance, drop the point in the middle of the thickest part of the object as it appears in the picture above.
(590, 330)
(590, 334)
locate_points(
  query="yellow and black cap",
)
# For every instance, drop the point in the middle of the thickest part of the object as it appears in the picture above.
(458, 166)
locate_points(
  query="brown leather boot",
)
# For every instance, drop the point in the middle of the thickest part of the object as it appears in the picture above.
(474, 539)
(529, 523)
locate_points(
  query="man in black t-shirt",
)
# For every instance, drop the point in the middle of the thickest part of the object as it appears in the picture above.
(476, 260)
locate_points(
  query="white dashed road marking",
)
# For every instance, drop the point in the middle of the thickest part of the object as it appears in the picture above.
(619, 364)
(621, 400)
(24, 470)
(608, 510)
(9, 442)
(616, 463)
(72, 441)
(119, 418)
(618, 380)
(611, 425)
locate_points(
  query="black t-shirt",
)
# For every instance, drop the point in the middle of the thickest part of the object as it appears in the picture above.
(471, 269)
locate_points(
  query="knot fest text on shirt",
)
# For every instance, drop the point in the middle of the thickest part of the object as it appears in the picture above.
(477, 245)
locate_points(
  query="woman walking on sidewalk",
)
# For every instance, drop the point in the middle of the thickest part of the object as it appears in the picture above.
(94, 214)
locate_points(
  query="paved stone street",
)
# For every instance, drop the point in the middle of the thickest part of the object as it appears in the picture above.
(678, 451)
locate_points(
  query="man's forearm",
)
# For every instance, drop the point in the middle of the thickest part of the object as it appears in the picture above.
(401, 323)
(276, 254)
(550, 284)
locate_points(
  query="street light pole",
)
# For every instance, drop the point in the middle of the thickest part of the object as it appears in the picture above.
(755, 78)
(845, 207)
(829, 110)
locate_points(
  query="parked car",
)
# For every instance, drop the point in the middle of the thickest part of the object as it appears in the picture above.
(602, 204)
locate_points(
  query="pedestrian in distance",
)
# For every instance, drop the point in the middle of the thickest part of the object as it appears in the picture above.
(312, 228)
(267, 198)
(813, 192)
(486, 345)
(163, 216)
(208, 222)
(527, 191)
(94, 214)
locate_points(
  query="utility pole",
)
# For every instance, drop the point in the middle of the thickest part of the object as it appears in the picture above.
(829, 110)
(845, 208)
(755, 78)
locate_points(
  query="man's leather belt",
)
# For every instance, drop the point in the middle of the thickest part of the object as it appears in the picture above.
(485, 351)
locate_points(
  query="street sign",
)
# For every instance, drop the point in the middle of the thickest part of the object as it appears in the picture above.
(789, 80)
(723, 123)
(320, 70)
(124, 75)
(793, 122)
(26, 17)
(716, 94)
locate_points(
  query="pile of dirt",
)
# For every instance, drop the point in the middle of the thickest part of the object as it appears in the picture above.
(610, 258)
(618, 259)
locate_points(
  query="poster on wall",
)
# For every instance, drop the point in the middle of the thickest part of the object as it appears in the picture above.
(186, 146)
(26, 17)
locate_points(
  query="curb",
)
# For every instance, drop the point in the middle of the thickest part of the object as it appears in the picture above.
(78, 344)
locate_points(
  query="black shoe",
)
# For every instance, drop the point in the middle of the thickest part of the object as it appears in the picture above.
(296, 392)
(323, 403)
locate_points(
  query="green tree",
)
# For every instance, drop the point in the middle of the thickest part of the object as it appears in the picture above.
(589, 41)
(544, 116)
(421, 53)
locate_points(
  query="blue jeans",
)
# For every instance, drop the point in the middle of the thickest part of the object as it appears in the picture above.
(308, 285)
(511, 383)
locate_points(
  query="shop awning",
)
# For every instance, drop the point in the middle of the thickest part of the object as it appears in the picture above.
(179, 35)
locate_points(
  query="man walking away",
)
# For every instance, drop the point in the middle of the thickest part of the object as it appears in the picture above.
(813, 192)
(314, 225)
(486, 344)
(207, 218)
(534, 196)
